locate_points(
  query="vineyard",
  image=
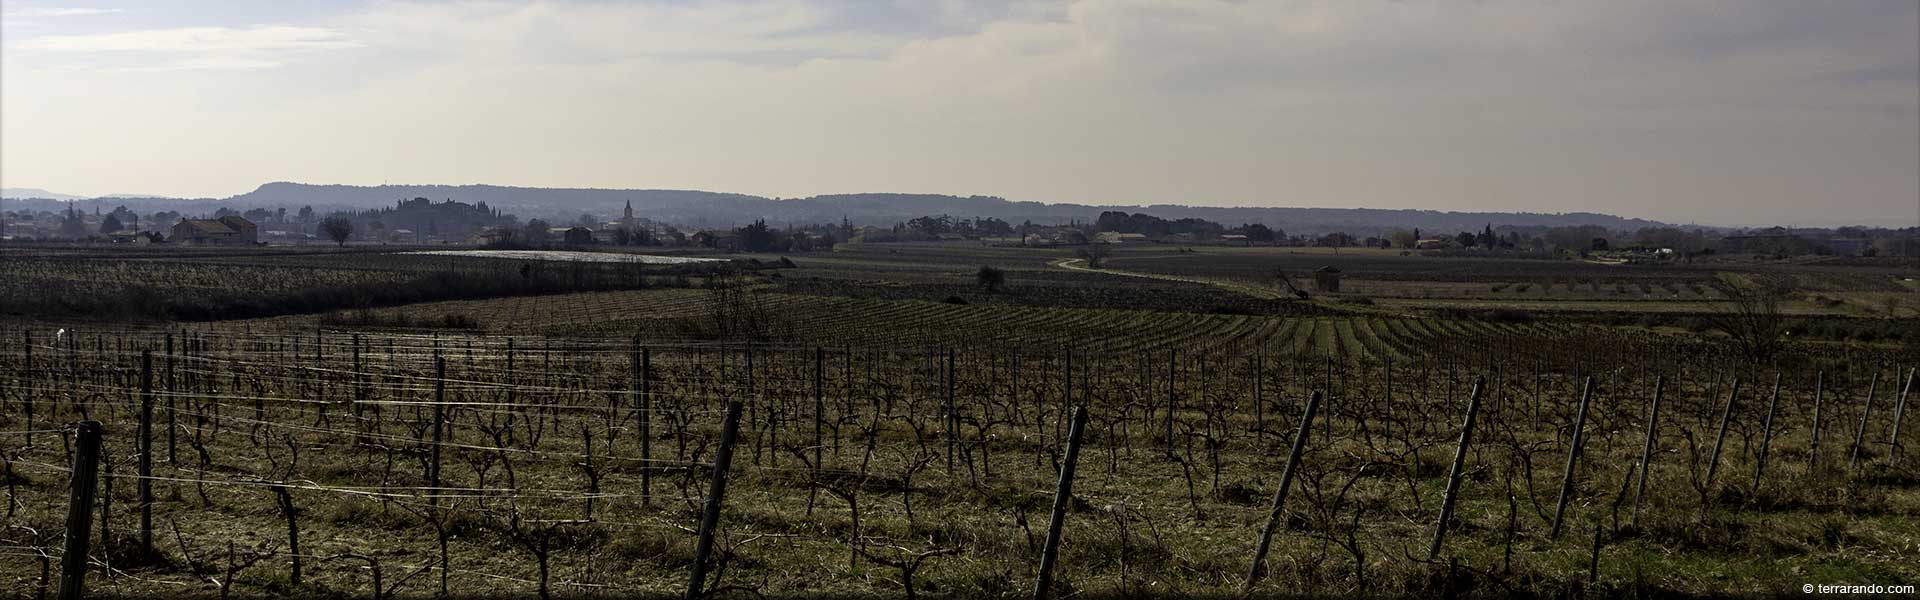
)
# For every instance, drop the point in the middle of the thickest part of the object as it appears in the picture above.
(959, 299)
(189, 284)
(1058, 452)
(841, 320)
(1832, 285)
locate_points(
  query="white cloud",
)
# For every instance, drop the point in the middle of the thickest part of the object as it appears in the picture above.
(198, 40)
(586, 33)
(211, 63)
(185, 48)
(31, 12)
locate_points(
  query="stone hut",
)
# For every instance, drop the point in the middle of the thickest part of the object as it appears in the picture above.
(1327, 280)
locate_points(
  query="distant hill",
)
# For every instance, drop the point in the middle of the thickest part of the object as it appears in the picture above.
(717, 209)
(24, 193)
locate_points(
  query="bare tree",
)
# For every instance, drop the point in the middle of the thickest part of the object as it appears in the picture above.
(1281, 280)
(337, 229)
(1751, 315)
(1095, 254)
(735, 311)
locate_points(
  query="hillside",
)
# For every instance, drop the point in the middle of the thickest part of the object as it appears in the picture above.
(713, 209)
(24, 193)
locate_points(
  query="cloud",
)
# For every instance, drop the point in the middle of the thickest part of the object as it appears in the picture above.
(189, 48)
(1651, 107)
(774, 33)
(32, 12)
(199, 40)
(211, 63)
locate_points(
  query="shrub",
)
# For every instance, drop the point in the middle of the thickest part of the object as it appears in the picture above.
(991, 279)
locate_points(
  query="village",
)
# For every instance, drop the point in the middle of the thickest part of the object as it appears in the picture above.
(424, 222)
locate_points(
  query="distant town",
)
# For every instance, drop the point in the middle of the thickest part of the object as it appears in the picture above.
(422, 221)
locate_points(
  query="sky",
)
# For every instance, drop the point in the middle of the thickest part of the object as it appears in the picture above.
(1725, 112)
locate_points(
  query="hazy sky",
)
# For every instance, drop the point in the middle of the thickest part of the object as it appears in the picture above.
(1715, 111)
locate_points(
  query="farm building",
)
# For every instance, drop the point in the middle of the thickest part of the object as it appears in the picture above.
(1327, 280)
(577, 236)
(491, 235)
(127, 236)
(1054, 236)
(224, 230)
(717, 238)
(1115, 237)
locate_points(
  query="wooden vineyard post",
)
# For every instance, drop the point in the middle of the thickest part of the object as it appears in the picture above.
(1646, 452)
(1453, 475)
(846, 393)
(1536, 389)
(106, 509)
(73, 368)
(1386, 424)
(320, 363)
(86, 465)
(27, 382)
(172, 447)
(1062, 496)
(260, 404)
(1813, 445)
(1860, 435)
(512, 397)
(1573, 458)
(359, 386)
(716, 494)
(1171, 403)
(643, 403)
(1899, 407)
(753, 414)
(1333, 401)
(820, 403)
(1259, 414)
(1066, 396)
(1280, 495)
(1766, 433)
(1720, 439)
(439, 419)
(634, 378)
(753, 395)
(145, 485)
(951, 420)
